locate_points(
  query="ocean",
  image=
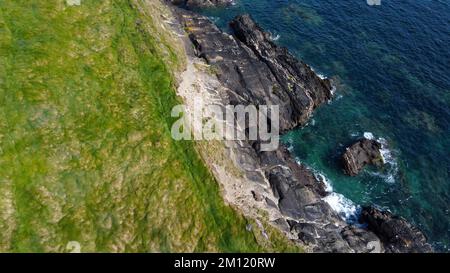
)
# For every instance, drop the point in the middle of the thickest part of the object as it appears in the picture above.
(391, 66)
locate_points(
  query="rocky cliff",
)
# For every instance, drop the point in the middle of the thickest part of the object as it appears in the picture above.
(201, 3)
(251, 69)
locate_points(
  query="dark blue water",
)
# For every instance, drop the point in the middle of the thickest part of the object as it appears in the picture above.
(391, 64)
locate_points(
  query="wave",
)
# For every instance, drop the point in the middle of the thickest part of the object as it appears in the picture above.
(391, 166)
(368, 135)
(214, 19)
(274, 37)
(344, 207)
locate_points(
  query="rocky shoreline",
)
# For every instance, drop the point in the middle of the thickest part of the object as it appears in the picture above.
(201, 3)
(249, 69)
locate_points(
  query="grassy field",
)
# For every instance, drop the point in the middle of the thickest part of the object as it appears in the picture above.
(85, 147)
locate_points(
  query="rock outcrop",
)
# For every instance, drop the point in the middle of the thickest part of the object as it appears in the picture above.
(248, 78)
(396, 234)
(201, 3)
(258, 71)
(304, 88)
(360, 154)
(252, 70)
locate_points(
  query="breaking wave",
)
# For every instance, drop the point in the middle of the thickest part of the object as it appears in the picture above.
(274, 37)
(390, 169)
(338, 202)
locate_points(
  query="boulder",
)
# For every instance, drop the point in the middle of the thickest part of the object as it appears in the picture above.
(360, 154)
(201, 3)
(396, 234)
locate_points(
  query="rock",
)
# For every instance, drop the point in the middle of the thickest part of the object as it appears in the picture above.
(396, 234)
(249, 78)
(257, 196)
(201, 3)
(304, 88)
(271, 203)
(360, 154)
(282, 224)
(258, 71)
(323, 239)
(362, 241)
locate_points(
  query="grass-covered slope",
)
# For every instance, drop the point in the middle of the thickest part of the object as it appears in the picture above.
(85, 148)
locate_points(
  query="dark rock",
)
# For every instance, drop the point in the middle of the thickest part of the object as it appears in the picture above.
(305, 89)
(271, 203)
(322, 239)
(201, 3)
(396, 234)
(282, 224)
(362, 241)
(270, 76)
(360, 154)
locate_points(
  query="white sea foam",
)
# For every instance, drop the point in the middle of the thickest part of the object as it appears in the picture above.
(338, 202)
(324, 180)
(386, 154)
(320, 75)
(342, 205)
(389, 160)
(369, 135)
(345, 208)
(274, 37)
(214, 19)
(333, 89)
(391, 166)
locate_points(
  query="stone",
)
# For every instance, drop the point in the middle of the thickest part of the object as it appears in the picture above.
(396, 234)
(363, 152)
(201, 3)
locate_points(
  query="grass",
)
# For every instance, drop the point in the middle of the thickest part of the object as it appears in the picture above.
(85, 148)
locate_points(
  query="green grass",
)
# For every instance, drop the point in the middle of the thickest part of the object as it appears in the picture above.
(85, 148)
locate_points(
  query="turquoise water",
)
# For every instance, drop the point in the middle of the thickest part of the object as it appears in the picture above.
(392, 68)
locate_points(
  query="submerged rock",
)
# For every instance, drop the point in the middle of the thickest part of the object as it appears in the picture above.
(360, 154)
(397, 235)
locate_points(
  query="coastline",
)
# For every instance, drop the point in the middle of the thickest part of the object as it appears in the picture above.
(257, 184)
